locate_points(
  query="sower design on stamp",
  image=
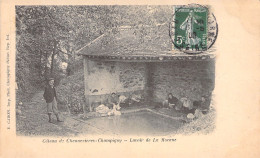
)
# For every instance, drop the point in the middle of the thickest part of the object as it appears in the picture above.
(193, 28)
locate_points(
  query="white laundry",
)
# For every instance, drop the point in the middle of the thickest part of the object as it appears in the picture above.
(102, 109)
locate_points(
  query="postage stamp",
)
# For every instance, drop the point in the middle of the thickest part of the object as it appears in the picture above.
(193, 28)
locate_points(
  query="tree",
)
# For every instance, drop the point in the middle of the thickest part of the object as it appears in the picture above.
(48, 35)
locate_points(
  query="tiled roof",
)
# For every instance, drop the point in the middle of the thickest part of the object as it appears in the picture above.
(128, 41)
(128, 44)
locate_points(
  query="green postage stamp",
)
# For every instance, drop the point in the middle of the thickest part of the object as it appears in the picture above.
(193, 28)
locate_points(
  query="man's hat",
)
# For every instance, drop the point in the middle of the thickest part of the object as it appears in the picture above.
(50, 78)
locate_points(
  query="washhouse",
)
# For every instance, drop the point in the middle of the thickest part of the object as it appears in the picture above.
(142, 61)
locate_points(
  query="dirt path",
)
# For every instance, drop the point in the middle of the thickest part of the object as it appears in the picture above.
(32, 120)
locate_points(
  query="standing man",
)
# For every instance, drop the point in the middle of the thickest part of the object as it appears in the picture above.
(51, 100)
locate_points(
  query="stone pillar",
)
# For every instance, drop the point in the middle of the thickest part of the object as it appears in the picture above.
(149, 82)
(86, 73)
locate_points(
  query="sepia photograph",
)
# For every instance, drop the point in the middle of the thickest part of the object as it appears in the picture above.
(171, 78)
(115, 70)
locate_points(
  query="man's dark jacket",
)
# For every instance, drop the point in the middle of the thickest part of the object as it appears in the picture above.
(49, 94)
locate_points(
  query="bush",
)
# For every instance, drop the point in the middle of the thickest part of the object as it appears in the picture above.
(71, 92)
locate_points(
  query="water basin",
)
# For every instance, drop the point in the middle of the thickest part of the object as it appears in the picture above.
(136, 123)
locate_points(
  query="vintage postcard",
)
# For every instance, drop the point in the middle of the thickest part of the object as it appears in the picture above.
(130, 79)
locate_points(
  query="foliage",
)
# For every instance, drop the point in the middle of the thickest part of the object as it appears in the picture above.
(70, 93)
(46, 33)
(48, 36)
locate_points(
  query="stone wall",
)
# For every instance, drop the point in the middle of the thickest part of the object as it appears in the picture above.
(182, 78)
(104, 77)
(191, 79)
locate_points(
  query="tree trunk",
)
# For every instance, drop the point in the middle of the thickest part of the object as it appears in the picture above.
(46, 66)
(70, 62)
(40, 67)
(52, 56)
